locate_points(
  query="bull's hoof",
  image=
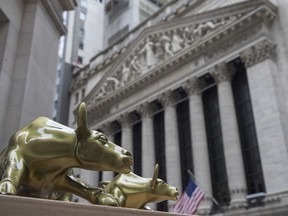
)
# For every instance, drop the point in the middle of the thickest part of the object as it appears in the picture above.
(106, 199)
(6, 187)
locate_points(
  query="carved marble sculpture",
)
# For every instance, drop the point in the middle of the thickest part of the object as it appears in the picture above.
(133, 191)
(40, 156)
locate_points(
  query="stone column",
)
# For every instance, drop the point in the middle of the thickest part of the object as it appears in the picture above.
(199, 143)
(270, 113)
(148, 149)
(126, 142)
(172, 150)
(230, 135)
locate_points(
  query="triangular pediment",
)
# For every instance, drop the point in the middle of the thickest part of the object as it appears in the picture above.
(157, 46)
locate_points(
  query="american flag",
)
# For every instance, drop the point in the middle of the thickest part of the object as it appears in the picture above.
(190, 199)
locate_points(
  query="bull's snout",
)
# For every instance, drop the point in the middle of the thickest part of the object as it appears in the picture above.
(127, 153)
(127, 160)
(176, 192)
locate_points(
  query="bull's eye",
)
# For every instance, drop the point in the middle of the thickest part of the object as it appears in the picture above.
(103, 139)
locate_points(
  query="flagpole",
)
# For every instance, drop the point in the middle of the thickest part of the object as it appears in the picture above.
(206, 194)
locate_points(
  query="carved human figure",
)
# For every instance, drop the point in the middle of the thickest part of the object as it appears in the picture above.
(203, 29)
(177, 42)
(134, 65)
(148, 49)
(159, 53)
(125, 74)
(166, 41)
(188, 36)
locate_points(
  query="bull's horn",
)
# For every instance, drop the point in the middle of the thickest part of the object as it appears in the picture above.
(155, 176)
(82, 130)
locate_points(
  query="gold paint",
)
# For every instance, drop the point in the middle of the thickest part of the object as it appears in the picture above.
(40, 156)
(133, 191)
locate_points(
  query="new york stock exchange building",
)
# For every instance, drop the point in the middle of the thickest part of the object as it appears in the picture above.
(200, 85)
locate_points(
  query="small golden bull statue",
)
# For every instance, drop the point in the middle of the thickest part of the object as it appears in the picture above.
(133, 191)
(40, 156)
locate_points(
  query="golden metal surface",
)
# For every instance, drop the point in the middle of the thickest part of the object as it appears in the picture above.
(133, 191)
(40, 156)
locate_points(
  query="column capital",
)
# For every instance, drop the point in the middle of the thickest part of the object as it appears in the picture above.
(168, 98)
(145, 109)
(259, 52)
(222, 72)
(193, 86)
(125, 120)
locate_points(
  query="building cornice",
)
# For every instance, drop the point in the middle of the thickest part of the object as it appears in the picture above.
(55, 10)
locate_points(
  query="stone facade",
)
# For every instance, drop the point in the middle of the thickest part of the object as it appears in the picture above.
(196, 47)
(30, 31)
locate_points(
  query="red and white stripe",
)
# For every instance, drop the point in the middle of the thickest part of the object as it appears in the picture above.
(189, 205)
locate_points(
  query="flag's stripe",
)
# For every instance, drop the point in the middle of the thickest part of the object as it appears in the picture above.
(192, 205)
(197, 200)
(190, 199)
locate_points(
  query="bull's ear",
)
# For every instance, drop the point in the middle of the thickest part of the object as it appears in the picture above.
(82, 130)
(155, 177)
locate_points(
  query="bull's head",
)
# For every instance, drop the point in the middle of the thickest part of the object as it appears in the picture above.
(95, 152)
(162, 189)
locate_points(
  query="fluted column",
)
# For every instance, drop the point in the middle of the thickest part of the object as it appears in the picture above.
(172, 151)
(270, 112)
(230, 133)
(126, 140)
(199, 142)
(148, 149)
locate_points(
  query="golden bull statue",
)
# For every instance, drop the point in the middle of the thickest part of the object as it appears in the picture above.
(39, 159)
(133, 191)
(40, 156)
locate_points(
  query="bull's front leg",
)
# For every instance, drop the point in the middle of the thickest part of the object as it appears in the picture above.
(74, 185)
(14, 171)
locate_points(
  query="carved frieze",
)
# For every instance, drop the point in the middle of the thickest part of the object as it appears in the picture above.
(158, 48)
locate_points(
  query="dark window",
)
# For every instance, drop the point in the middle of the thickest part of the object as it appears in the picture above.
(100, 177)
(76, 98)
(248, 136)
(79, 59)
(117, 138)
(215, 146)
(183, 119)
(81, 45)
(159, 141)
(83, 93)
(81, 32)
(137, 147)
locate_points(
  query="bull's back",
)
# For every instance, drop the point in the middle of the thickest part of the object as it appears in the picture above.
(44, 138)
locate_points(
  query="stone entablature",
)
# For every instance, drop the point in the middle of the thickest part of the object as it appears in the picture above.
(158, 50)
